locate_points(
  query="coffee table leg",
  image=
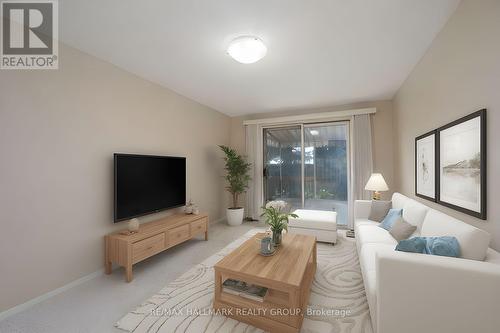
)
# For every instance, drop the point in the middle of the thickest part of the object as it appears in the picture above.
(218, 285)
(314, 255)
(295, 306)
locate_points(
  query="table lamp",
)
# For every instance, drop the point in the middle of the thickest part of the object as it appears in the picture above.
(376, 183)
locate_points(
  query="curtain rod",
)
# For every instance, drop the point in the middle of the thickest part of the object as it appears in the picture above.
(311, 116)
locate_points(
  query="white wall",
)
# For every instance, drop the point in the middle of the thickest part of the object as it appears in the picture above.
(459, 74)
(58, 130)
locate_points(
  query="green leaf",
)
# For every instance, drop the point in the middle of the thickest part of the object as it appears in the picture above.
(237, 172)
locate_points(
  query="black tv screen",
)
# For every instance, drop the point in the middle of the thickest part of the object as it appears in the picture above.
(148, 184)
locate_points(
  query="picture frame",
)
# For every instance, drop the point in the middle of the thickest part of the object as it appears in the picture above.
(425, 166)
(461, 165)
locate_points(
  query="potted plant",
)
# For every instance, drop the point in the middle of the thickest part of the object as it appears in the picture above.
(237, 178)
(277, 219)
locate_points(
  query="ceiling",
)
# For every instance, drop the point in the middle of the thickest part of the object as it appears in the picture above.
(320, 53)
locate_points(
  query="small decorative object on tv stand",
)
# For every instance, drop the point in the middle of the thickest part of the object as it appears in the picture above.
(189, 208)
(151, 238)
(133, 225)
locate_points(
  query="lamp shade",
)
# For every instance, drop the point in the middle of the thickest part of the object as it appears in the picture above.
(376, 183)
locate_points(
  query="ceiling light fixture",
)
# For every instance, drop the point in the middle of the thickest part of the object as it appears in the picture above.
(247, 49)
(314, 132)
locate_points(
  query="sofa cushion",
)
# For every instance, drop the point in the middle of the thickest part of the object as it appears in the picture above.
(399, 200)
(373, 234)
(358, 222)
(492, 256)
(473, 241)
(390, 218)
(443, 246)
(379, 210)
(414, 213)
(413, 245)
(401, 229)
(446, 246)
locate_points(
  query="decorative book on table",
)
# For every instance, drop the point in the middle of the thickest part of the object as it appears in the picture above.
(243, 289)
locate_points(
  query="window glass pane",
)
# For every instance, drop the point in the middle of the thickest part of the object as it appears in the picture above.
(283, 165)
(326, 169)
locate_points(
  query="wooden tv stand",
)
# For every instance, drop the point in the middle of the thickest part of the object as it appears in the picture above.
(152, 238)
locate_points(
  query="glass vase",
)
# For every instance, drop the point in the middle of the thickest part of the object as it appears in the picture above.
(277, 237)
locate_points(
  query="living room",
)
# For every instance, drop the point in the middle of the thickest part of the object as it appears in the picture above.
(250, 166)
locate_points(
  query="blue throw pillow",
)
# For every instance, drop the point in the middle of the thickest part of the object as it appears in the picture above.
(390, 218)
(443, 246)
(440, 246)
(414, 244)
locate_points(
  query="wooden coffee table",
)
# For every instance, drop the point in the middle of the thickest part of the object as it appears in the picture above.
(287, 274)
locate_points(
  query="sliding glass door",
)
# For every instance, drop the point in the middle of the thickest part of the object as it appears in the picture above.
(283, 165)
(308, 166)
(326, 173)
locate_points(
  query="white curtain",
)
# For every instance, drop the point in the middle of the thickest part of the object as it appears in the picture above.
(362, 159)
(254, 152)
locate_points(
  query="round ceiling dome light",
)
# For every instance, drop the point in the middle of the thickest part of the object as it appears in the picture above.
(247, 49)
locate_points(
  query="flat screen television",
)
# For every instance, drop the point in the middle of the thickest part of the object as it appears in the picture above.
(148, 184)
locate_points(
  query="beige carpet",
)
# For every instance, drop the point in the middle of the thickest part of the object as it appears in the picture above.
(337, 303)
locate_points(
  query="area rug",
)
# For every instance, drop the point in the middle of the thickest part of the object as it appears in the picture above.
(337, 303)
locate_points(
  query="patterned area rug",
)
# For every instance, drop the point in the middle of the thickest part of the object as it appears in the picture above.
(337, 303)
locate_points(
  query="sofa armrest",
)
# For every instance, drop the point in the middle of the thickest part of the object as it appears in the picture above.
(362, 209)
(425, 293)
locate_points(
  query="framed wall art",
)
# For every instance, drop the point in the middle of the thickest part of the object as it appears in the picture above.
(425, 166)
(461, 161)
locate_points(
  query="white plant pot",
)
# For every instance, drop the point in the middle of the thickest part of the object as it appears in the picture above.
(234, 216)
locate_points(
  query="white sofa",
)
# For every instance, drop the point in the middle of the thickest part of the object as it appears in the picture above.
(416, 293)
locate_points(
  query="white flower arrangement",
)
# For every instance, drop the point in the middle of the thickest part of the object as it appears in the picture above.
(279, 205)
(276, 216)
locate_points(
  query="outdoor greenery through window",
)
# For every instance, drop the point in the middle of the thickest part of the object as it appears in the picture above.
(318, 178)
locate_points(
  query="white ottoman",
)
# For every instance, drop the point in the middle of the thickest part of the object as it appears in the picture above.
(319, 223)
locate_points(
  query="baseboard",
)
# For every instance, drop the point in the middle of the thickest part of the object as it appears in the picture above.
(21, 307)
(222, 219)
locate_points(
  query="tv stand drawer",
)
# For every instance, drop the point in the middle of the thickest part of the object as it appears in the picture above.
(178, 235)
(147, 247)
(198, 226)
(127, 249)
